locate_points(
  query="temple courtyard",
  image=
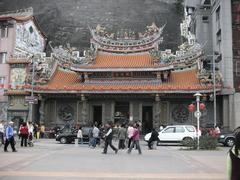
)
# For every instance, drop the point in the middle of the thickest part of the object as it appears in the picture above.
(50, 160)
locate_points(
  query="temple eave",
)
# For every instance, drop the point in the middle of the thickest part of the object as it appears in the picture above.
(177, 91)
(103, 69)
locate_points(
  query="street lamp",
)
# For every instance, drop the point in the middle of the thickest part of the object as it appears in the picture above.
(216, 57)
(32, 98)
(198, 115)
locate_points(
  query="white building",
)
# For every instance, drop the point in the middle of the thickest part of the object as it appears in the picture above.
(211, 21)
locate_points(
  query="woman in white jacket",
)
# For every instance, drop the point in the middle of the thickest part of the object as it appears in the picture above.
(80, 135)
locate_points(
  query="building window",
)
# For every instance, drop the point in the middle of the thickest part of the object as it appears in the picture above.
(205, 19)
(219, 36)
(2, 80)
(218, 14)
(218, 17)
(3, 57)
(4, 32)
(237, 68)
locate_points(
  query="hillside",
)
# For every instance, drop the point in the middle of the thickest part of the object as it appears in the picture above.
(68, 20)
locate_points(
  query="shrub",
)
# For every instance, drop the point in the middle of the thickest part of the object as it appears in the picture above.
(205, 142)
(208, 142)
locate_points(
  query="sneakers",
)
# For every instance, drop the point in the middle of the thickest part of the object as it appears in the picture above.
(5, 150)
(116, 151)
(14, 151)
(104, 153)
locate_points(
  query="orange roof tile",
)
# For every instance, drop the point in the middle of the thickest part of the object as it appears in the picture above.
(69, 81)
(108, 60)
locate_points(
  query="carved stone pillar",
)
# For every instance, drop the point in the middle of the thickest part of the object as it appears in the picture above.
(42, 110)
(157, 111)
(84, 110)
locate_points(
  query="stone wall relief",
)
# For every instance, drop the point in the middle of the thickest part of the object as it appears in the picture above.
(28, 37)
(17, 101)
(180, 113)
(66, 113)
(3, 111)
(18, 76)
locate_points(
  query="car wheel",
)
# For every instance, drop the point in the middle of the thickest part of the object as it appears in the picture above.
(229, 142)
(187, 140)
(63, 140)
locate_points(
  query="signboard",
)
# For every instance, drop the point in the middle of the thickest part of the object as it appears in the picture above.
(31, 99)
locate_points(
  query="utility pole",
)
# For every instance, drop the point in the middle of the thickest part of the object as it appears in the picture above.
(32, 89)
(214, 94)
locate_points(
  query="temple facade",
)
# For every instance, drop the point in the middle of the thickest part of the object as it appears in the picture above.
(122, 77)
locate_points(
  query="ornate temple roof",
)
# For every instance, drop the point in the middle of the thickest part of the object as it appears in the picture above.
(121, 62)
(69, 82)
(126, 41)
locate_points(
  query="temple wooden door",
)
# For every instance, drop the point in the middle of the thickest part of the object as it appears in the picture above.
(97, 115)
(147, 119)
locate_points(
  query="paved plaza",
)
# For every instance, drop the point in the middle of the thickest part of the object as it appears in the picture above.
(50, 160)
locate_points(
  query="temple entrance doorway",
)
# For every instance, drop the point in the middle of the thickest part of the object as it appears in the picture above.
(97, 115)
(121, 114)
(147, 119)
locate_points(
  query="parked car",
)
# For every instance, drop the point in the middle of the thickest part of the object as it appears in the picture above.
(67, 135)
(175, 134)
(227, 139)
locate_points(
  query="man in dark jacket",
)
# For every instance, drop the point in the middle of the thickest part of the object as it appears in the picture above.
(154, 137)
(108, 139)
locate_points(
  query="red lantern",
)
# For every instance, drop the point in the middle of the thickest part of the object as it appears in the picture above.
(202, 106)
(191, 107)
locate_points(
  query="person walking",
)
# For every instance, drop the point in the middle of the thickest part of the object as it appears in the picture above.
(154, 137)
(95, 134)
(42, 131)
(35, 130)
(108, 139)
(135, 138)
(1, 132)
(122, 135)
(80, 135)
(9, 137)
(24, 134)
(130, 131)
(233, 159)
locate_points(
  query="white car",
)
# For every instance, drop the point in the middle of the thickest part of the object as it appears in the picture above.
(175, 133)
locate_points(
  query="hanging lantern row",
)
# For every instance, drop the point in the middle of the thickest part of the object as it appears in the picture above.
(192, 107)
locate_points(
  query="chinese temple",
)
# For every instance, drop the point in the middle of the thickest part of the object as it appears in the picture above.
(122, 77)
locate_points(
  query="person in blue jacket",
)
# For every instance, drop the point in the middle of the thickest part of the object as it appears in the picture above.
(9, 137)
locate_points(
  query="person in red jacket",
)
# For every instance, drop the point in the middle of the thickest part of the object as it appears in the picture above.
(24, 134)
(136, 138)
